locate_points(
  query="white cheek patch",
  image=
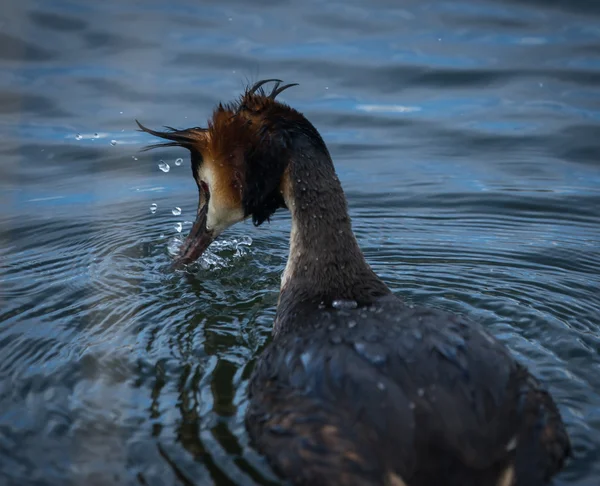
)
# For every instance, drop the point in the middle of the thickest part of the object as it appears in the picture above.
(219, 217)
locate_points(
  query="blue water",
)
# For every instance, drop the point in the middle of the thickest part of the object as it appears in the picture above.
(467, 138)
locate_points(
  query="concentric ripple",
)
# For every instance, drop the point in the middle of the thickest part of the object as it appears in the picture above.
(465, 135)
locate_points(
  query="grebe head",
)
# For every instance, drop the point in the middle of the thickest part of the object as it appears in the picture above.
(239, 161)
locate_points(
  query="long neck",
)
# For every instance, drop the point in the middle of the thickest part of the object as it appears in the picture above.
(325, 263)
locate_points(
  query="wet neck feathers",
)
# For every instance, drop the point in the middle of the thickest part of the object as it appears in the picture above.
(325, 263)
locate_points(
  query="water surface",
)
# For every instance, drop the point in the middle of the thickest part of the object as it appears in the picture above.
(466, 135)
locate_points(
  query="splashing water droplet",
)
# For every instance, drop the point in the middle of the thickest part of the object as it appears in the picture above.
(178, 162)
(153, 208)
(176, 211)
(174, 245)
(242, 245)
(134, 157)
(344, 304)
(113, 142)
(78, 136)
(178, 227)
(96, 135)
(162, 165)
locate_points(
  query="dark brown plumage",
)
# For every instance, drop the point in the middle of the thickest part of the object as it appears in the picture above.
(357, 388)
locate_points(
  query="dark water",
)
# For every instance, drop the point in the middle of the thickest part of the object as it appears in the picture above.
(467, 137)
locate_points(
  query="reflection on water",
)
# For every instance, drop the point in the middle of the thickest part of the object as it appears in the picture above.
(465, 134)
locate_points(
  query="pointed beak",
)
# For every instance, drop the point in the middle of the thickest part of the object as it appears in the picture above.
(199, 238)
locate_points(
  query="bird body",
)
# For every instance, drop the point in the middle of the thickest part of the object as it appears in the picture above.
(356, 386)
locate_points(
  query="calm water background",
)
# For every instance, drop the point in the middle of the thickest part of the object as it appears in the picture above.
(467, 137)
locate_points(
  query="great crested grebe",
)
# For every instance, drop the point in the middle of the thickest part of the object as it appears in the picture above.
(356, 387)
